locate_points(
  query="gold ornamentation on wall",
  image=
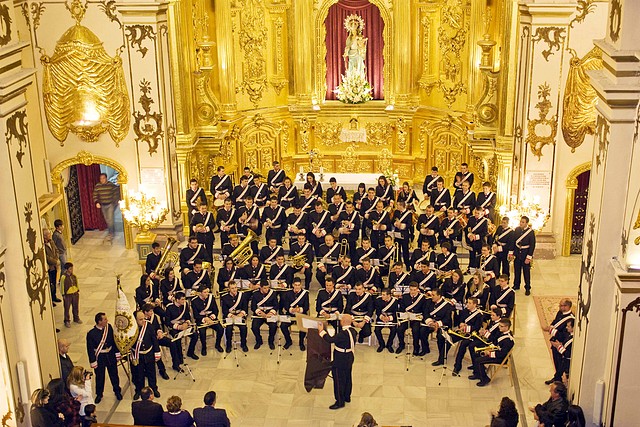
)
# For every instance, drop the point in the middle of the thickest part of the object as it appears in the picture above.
(109, 9)
(602, 138)
(426, 79)
(552, 36)
(284, 136)
(207, 105)
(279, 80)
(636, 225)
(137, 34)
(349, 160)
(5, 25)
(486, 112)
(148, 125)
(378, 133)
(452, 37)
(304, 129)
(402, 133)
(384, 161)
(3, 277)
(537, 140)
(583, 8)
(253, 42)
(328, 133)
(615, 19)
(579, 104)
(34, 264)
(81, 77)
(17, 130)
(260, 140)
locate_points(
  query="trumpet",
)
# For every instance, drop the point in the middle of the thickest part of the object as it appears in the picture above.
(490, 347)
(444, 274)
(477, 336)
(461, 335)
(298, 261)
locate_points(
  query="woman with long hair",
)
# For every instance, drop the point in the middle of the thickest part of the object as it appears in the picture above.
(384, 190)
(360, 194)
(80, 387)
(316, 187)
(41, 414)
(507, 413)
(454, 288)
(476, 288)
(407, 195)
(60, 401)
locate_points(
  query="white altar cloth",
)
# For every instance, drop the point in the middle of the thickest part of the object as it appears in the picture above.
(348, 181)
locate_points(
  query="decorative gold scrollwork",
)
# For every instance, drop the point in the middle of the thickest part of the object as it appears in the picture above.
(578, 109)
(452, 37)
(552, 36)
(328, 133)
(536, 140)
(401, 133)
(615, 19)
(5, 25)
(378, 133)
(602, 138)
(34, 264)
(349, 160)
(17, 129)
(583, 8)
(137, 34)
(304, 129)
(109, 9)
(148, 125)
(253, 42)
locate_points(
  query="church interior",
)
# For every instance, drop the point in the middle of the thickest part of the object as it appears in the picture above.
(534, 104)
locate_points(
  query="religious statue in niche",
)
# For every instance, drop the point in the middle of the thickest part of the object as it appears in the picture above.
(354, 87)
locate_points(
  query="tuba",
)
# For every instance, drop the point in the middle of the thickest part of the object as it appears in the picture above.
(243, 252)
(166, 257)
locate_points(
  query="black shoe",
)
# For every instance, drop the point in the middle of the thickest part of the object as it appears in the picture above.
(360, 340)
(400, 349)
(423, 353)
(438, 363)
(348, 400)
(98, 399)
(56, 299)
(164, 375)
(455, 373)
(55, 305)
(516, 289)
(302, 347)
(416, 353)
(245, 348)
(336, 406)
(257, 346)
(176, 368)
(219, 348)
(483, 383)
(473, 377)
(57, 330)
(380, 349)
(204, 352)
(287, 345)
(390, 348)
(527, 292)
(549, 382)
(136, 396)
(470, 368)
(272, 346)
(119, 396)
(156, 393)
(193, 356)
(228, 349)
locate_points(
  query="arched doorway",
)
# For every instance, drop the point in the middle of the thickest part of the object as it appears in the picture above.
(576, 208)
(60, 175)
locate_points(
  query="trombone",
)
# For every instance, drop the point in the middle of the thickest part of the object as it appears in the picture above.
(344, 249)
(395, 258)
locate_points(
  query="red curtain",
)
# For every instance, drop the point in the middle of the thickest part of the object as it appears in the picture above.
(337, 37)
(88, 177)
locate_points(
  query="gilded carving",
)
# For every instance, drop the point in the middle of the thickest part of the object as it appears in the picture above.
(487, 111)
(34, 264)
(583, 8)
(17, 129)
(229, 143)
(384, 160)
(5, 25)
(602, 137)
(615, 19)
(535, 138)
(328, 133)
(36, 13)
(349, 160)
(3, 278)
(137, 34)
(587, 274)
(253, 42)
(636, 225)
(284, 136)
(279, 81)
(401, 133)
(452, 37)
(304, 129)
(425, 79)
(109, 9)
(24, 8)
(552, 36)
(378, 133)
(148, 125)
(259, 139)
(86, 158)
(579, 106)
(6, 417)
(207, 105)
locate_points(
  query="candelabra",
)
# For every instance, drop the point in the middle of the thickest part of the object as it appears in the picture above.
(144, 212)
(525, 207)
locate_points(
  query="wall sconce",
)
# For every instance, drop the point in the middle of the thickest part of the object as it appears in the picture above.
(84, 89)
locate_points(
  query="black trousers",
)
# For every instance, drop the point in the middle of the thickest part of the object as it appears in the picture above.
(365, 331)
(193, 340)
(52, 281)
(443, 347)
(392, 334)
(202, 332)
(404, 247)
(255, 328)
(228, 334)
(520, 269)
(307, 277)
(342, 383)
(474, 253)
(417, 335)
(100, 377)
(146, 369)
(286, 332)
(166, 342)
(479, 368)
(503, 262)
(462, 349)
(557, 363)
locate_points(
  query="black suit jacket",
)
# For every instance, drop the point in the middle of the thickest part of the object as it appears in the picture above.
(147, 413)
(211, 417)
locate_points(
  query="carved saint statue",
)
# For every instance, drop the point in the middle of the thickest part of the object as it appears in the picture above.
(355, 49)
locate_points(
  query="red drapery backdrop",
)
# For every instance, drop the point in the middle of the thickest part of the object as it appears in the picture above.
(88, 177)
(337, 37)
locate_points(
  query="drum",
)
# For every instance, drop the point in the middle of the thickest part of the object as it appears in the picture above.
(289, 211)
(422, 206)
(218, 203)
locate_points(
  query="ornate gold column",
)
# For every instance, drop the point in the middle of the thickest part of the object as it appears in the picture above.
(303, 50)
(226, 63)
(401, 73)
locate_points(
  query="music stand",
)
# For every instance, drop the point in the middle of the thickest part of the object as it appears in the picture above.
(184, 367)
(447, 340)
(279, 336)
(234, 343)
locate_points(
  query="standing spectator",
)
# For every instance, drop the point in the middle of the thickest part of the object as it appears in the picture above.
(507, 413)
(553, 412)
(210, 416)
(146, 412)
(41, 415)
(175, 416)
(81, 388)
(60, 401)
(90, 415)
(66, 364)
(58, 239)
(106, 195)
(70, 294)
(51, 252)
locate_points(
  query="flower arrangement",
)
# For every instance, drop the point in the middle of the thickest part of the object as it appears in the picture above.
(392, 177)
(354, 89)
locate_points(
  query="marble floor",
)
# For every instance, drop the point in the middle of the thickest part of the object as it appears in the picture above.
(263, 393)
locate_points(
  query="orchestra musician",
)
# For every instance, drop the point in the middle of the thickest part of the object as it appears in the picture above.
(189, 254)
(464, 201)
(365, 251)
(440, 197)
(422, 255)
(328, 254)
(329, 302)
(294, 301)
(428, 227)
(360, 305)
(335, 189)
(226, 274)
(281, 272)
(153, 259)
(503, 244)
(335, 210)
(430, 182)
(407, 195)
(308, 199)
(269, 253)
(503, 345)
(447, 261)
(254, 271)
(299, 247)
(524, 243)
(360, 194)
(315, 186)
(206, 315)
(563, 348)
(202, 226)
(344, 275)
(385, 191)
(321, 225)
(476, 235)
(454, 289)
(298, 222)
(246, 171)
(403, 224)
(369, 276)
(477, 288)
(264, 305)
(227, 220)
(503, 297)
(559, 332)
(348, 225)
(259, 191)
(196, 277)
(399, 280)
(103, 354)
(413, 304)
(195, 197)
(235, 306)
(274, 219)
(144, 354)
(221, 185)
(275, 177)
(287, 194)
(450, 231)
(386, 255)
(169, 286)
(148, 292)
(249, 219)
(178, 319)
(424, 277)
(486, 201)
(241, 192)
(157, 327)
(437, 315)
(470, 321)
(386, 306)
(230, 246)
(367, 207)
(489, 266)
(462, 176)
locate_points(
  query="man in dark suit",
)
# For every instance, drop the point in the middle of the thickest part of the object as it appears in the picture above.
(342, 359)
(208, 416)
(146, 412)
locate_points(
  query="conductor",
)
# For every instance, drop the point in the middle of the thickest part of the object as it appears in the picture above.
(344, 346)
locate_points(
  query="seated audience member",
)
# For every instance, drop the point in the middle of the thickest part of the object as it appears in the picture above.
(80, 387)
(507, 414)
(209, 416)
(146, 412)
(553, 412)
(41, 415)
(575, 417)
(90, 415)
(175, 416)
(367, 420)
(60, 401)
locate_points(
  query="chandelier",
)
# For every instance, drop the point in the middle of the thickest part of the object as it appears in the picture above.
(526, 207)
(143, 211)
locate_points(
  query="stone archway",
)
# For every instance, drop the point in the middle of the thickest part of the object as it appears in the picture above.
(572, 185)
(86, 158)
